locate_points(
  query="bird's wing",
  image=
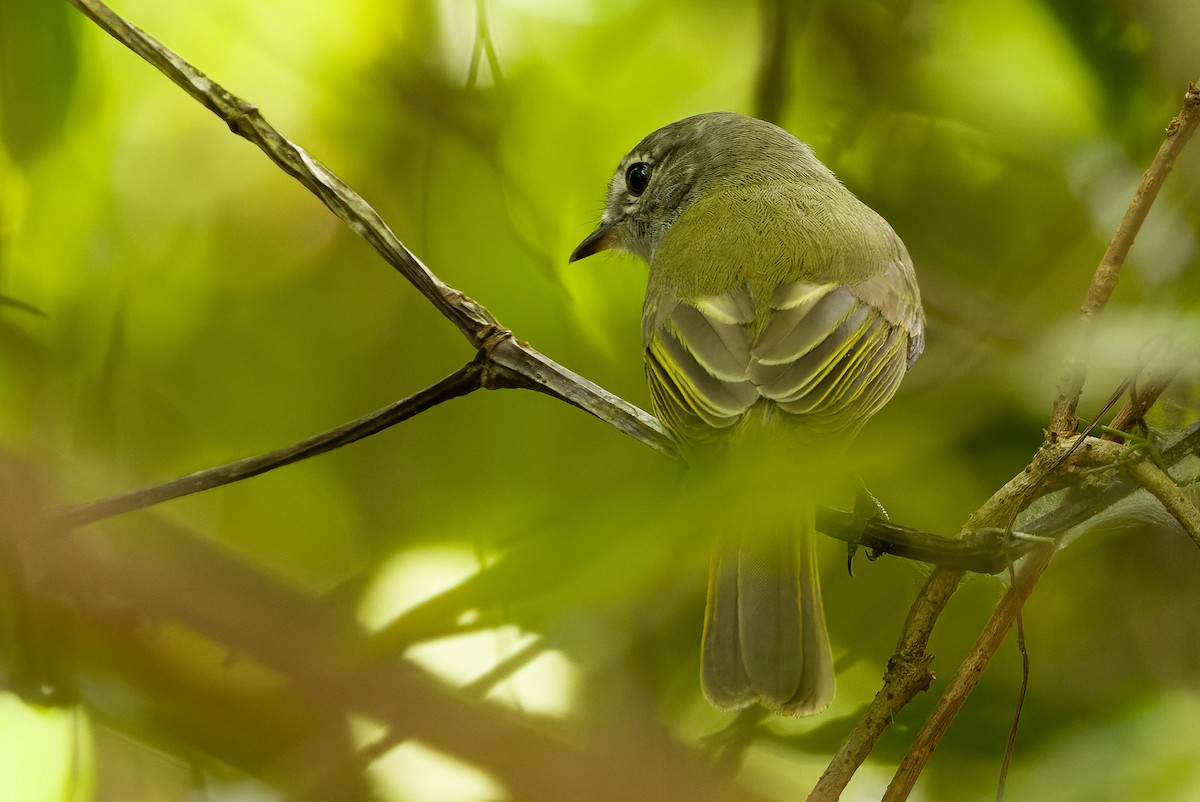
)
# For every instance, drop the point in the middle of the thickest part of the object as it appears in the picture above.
(696, 362)
(824, 355)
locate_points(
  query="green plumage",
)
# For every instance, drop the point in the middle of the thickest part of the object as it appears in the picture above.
(778, 307)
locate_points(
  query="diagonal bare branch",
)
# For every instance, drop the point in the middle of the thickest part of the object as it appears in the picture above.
(515, 363)
(245, 120)
(1104, 281)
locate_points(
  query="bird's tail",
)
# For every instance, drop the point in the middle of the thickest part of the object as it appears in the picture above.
(764, 628)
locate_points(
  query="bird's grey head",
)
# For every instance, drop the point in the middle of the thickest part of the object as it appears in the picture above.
(657, 180)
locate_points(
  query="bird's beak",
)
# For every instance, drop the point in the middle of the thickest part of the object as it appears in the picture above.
(603, 238)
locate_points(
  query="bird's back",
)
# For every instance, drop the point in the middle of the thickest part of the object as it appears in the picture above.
(778, 298)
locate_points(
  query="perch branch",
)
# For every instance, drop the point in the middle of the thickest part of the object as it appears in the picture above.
(908, 670)
(989, 549)
(983, 551)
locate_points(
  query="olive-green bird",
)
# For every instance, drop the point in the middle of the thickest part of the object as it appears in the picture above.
(780, 309)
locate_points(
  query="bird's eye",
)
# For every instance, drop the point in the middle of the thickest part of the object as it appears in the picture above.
(637, 178)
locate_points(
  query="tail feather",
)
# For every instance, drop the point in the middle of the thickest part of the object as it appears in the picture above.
(723, 675)
(770, 629)
(818, 683)
(764, 629)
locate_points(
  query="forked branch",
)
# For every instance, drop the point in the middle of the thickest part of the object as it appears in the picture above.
(1062, 424)
(501, 360)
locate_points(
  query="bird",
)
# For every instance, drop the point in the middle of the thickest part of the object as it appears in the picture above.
(781, 313)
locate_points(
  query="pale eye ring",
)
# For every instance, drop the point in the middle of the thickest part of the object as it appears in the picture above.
(637, 178)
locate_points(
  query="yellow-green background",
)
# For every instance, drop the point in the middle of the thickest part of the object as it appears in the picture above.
(195, 305)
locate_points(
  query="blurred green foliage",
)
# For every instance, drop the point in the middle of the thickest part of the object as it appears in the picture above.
(172, 301)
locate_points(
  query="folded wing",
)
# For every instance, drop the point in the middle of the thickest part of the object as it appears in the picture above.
(817, 352)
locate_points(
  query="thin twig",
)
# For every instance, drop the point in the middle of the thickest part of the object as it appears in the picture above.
(1169, 494)
(1022, 691)
(464, 380)
(477, 689)
(1136, 408)
(1087, 443)
(516, 364)
(1104, 281)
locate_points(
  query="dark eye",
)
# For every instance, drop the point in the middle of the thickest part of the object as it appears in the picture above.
(637, 178)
